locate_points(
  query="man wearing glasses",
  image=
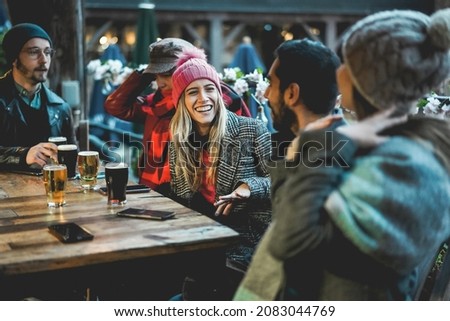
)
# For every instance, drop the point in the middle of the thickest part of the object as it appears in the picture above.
(30, 112)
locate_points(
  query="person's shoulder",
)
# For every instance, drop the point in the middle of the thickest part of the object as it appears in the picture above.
(246, 126)
(242, 120)
(406, 151)
(7, 89)
(284, 135)
(6, 80)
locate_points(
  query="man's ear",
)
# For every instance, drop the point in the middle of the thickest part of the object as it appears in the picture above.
(292, 94)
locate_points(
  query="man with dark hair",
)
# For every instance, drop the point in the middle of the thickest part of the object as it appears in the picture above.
(302, 89)
(30, 112)
(302, 92)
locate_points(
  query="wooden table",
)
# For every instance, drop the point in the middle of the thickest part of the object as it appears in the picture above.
(26, 246)
(14, 185)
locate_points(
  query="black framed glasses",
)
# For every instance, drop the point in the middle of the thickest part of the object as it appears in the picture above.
(35, 52)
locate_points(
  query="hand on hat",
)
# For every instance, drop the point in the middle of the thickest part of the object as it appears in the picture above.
(365, 133)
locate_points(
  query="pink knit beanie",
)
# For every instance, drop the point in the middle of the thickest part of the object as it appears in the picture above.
(192, 65)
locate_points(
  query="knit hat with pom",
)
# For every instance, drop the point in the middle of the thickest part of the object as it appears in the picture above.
(395, 57)
(192, 65)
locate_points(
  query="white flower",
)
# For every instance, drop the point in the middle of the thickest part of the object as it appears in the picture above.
(255, 76)
(112, 72)
(93, 65)
(261, 87)
(121, 76)
(252, 84)
(434, 106)
(229, 74)
(240, 86)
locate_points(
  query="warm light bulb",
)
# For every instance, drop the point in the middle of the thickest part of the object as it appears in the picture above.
(103, 40)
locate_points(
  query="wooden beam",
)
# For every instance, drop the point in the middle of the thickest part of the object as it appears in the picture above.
(233, 34)
(194, 34)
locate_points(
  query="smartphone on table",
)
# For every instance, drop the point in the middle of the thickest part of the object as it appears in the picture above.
(70, 232)
(138, 188)
(145, 213)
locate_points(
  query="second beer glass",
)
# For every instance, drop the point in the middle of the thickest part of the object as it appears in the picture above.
(67, 154)
(116, 176)
(55, 180)
(88, 164)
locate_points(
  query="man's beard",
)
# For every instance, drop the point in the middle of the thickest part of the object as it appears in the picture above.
(27, 73)
(285, 120)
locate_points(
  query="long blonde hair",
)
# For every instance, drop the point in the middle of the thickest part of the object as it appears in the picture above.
(189, 160)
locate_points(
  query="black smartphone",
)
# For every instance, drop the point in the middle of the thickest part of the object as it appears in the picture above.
(144, 213)
(139, 188)
(70, 232)
(30, 171)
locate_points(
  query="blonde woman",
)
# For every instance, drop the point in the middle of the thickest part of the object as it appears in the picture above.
(218, 159)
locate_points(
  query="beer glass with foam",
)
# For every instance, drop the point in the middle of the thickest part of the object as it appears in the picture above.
(116, 176)
(88, 163)
(57, 140)
(67, 154)
(55, 180)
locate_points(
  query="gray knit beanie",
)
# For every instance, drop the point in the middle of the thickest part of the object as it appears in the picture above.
(18, 35)
(395, 57)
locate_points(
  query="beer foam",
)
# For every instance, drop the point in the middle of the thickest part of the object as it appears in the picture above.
(54, 167)
(57, 139)
(116, 165)
(68, 147)
(88, 153)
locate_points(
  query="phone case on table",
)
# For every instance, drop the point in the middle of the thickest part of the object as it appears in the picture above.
(70, 232)
(145, 213)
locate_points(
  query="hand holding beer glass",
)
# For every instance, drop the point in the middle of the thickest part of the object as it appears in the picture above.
(88, 164)
(55, 180)
(116, 175)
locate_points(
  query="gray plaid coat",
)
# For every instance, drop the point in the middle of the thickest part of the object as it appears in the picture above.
(245, 150)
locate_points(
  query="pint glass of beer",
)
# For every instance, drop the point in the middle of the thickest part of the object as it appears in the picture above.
(88, 164)
(57, 140)
(116, 176)
(67, 154)
(55, 179)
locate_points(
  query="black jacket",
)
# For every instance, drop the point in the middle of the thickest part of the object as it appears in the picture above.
(13, 150)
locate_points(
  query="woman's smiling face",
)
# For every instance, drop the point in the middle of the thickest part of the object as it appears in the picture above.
(200, 98)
